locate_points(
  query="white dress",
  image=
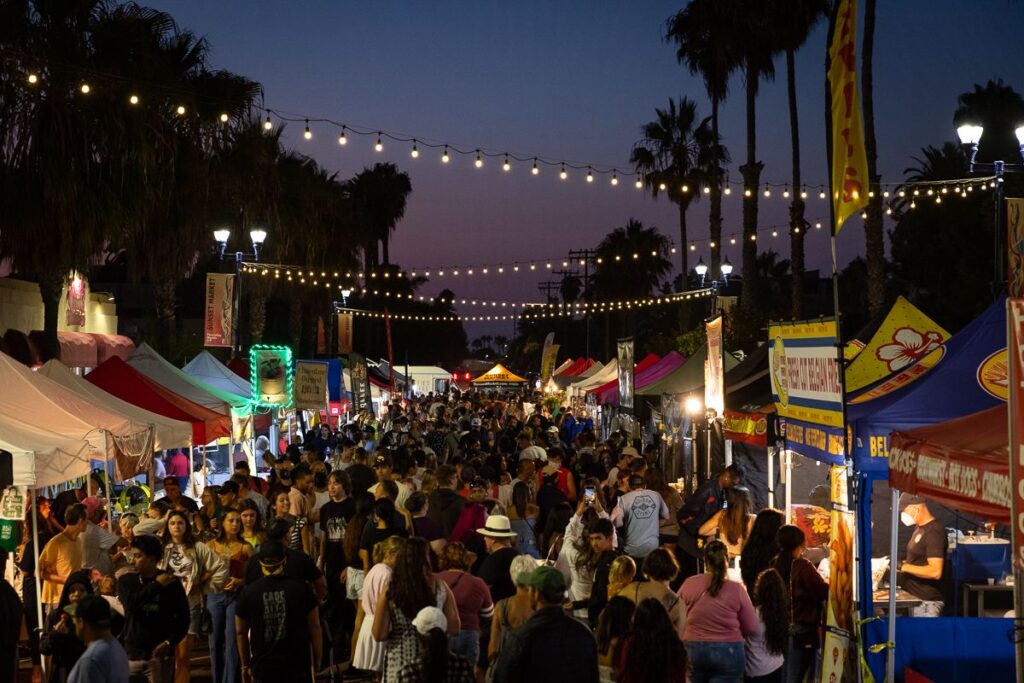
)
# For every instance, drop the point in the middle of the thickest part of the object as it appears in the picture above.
(369, 655)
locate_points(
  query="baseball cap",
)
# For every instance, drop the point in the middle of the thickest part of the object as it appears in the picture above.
(92, 609)
(475, 422)
(382, 460)
(552, 429)
(908, 499)
(533, 453)
(428, 619)
(548, 580)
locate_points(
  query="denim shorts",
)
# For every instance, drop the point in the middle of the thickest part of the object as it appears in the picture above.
(195, 619)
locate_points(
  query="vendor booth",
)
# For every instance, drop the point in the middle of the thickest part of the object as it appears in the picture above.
(498, 377)
(606, 374)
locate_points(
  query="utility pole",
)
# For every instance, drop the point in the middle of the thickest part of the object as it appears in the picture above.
(546, 288)
(569, 317)
(585, 256)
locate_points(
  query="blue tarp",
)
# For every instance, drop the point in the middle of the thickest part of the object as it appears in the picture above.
(335, 388)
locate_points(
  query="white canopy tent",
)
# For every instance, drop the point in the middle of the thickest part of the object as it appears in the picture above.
(151, 364)
(211, 372)
(168, 433)
(602, 377)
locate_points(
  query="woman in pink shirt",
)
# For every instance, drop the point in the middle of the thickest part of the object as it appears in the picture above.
(719, 616)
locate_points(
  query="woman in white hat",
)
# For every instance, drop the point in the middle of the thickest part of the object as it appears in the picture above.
(436, 662)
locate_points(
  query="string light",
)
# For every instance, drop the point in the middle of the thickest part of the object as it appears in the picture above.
(685, 188)
(33, 79)
(639, 184)
(535, 170)
(133, 99)
(615, 178)
(479, 163)
(224, 118)
(308, 134)
(180, 110)
(85, 89)
(342, 139)
(444, 157)
(268, 124)
(379, 147)
(506, 166)
(590, 175)
(562, 174)
(415, 153)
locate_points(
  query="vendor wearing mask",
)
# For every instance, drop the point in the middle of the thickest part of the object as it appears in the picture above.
(921, 571)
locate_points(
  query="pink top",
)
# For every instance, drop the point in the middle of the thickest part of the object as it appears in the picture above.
(724, 618)
(376, 579)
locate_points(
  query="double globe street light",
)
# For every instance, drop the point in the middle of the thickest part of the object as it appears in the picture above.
(222, 235)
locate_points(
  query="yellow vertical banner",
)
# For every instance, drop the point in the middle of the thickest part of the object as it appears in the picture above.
(849, 162)
(838, 660)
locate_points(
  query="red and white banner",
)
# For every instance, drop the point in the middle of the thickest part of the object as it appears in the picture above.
(219, 322)
(344, 333)
(1015, 407)
(714, 372)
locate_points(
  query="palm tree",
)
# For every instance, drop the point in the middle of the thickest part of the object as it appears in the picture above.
(673, 158)
(630, 262)
(874, 241)
(379, 196)
(796, 20)
(701, 33)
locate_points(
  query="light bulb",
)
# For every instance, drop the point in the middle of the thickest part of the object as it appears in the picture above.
(661, 186)
(415, 150)
(803, 194)
(180, 110)
(775, 233)
(728, 190)
(615, 178)
(684, 188)
(885, 194)
(506, 166)
(343, 139)
(85, 89)
(33, 79)
(379, 146)
(590, 175)
(134, 99)
(707, 190)
(639, 184)
(444, 157)
(753, 238)
(785, 193)
(268, 124)
(308, 134)
(821, 195)
(817, 226)
(747, 192)
(535, 170)
(767, 193)
(479, 163)
(693, 247)
(562, 174)
(224, 118)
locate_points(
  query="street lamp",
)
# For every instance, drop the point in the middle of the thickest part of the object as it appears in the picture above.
(970, 133)
(258, 237)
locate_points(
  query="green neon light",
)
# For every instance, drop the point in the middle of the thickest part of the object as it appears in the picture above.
(271, 375)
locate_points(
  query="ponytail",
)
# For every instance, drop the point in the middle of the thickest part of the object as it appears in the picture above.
(435, 655)
(790, 537)
(716, 561)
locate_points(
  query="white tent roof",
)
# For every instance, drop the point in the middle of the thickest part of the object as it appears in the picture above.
(32, 399)
(42, 458)
(160, 370)
(603, 376)
(564, 366)
(168, 433)
(211, 372)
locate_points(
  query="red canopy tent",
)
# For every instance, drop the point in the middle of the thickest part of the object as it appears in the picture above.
(649, 360)
(579, 366)
(963, 463)
(239, 367)
(120, 379)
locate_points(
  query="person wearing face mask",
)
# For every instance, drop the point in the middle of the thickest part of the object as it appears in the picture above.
(921, 571)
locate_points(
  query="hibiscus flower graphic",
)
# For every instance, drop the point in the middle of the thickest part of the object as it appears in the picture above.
(907, 346)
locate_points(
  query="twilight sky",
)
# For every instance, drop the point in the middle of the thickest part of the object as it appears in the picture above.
(572, 81)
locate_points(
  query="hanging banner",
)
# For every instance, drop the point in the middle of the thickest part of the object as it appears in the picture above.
(1015, 246)
(547, 358)
(625, 375)
(751, 428)
(78, 290)
(344, 333)
(838, 662)
(360, 374)
(804, 372)
(310, 384)
(219, 322)
(321, 337)
(391, 355)
(1015, 318)
(13, 502)
(714, 373)
(270, 371)
(849, 161)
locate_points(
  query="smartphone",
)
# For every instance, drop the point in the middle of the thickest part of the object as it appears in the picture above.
(588, 495)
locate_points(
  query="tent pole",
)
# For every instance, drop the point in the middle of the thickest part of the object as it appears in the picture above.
(771, 476)
(190, 487)
(894, 530)
(788, 454)
(39, 573)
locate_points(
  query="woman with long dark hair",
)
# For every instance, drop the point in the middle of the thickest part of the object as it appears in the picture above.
(612, 625)
(762, 546)
(650, 652)
(413, 586)
(252, 523)
(718, 617)
(436, 663)
(732, 524)
(199, 570)
(807, 590)
(384, 525)
(765, 648)
(522, 517)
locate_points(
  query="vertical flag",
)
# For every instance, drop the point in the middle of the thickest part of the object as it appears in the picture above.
(547, 358)
(849, 162)
(344, 334)
(359, 372)
(714, 389)
(391, 356)
(1015, 246)
(1015, 409)
(219, 323)
(626, 379)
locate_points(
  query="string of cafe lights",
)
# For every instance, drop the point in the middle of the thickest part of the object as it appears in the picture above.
(87, 86)
(539, 311)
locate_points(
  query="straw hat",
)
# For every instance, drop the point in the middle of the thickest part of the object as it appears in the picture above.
(497, 526)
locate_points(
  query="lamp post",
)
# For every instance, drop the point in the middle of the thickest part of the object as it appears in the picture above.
(222, 235)
(702, 270)
(970, 133)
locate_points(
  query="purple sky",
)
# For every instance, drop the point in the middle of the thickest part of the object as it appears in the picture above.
(572, 81)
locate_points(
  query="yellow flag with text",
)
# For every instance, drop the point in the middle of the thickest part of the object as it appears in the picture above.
(850, 180)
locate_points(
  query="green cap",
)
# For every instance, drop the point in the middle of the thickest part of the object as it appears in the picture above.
(547, 580)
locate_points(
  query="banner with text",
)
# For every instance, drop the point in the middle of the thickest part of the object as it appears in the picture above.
(344, 334)
(310, 384)
(219, 322)
(1015, 246)
(360, 374)
(804, 372)
(714, 387)
(1015, 316)
(625, 348)
(838, 662)
(547, 357)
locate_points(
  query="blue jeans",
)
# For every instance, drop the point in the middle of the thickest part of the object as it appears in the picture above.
(467, 644)
(798, 662)
(714, 662)
(224, 665)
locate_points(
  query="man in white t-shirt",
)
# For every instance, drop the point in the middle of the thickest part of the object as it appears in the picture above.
(639, 512)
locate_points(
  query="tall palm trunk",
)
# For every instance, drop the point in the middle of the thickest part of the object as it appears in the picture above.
(874, 240)
(751, 180)
(384, 249)
(165, 299)
(257, 292)
(715, 216)
(51, 287)
(797, 224)
(683, 246)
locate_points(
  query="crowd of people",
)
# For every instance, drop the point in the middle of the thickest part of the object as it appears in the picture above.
(456, 539)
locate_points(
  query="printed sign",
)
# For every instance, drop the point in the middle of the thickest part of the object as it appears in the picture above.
(360, 374)
(219, 321)
(1015, 317)
(625, 348)
(344, 333)
(804, 372)
(310, 384)
(270, 371)
(12, 504)
(714, 388)
(838, 662)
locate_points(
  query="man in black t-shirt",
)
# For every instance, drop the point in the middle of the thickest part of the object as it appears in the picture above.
(494, 570)
(363, 477)
(277, 624)
(300, 565)
(334, 517)
(921, 572)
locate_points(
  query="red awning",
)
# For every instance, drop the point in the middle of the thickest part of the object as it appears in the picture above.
(963, 463)
(120, 379)
(75, 349)
(110, 345)
(21, 348)
(239, 367)
(647, 362)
